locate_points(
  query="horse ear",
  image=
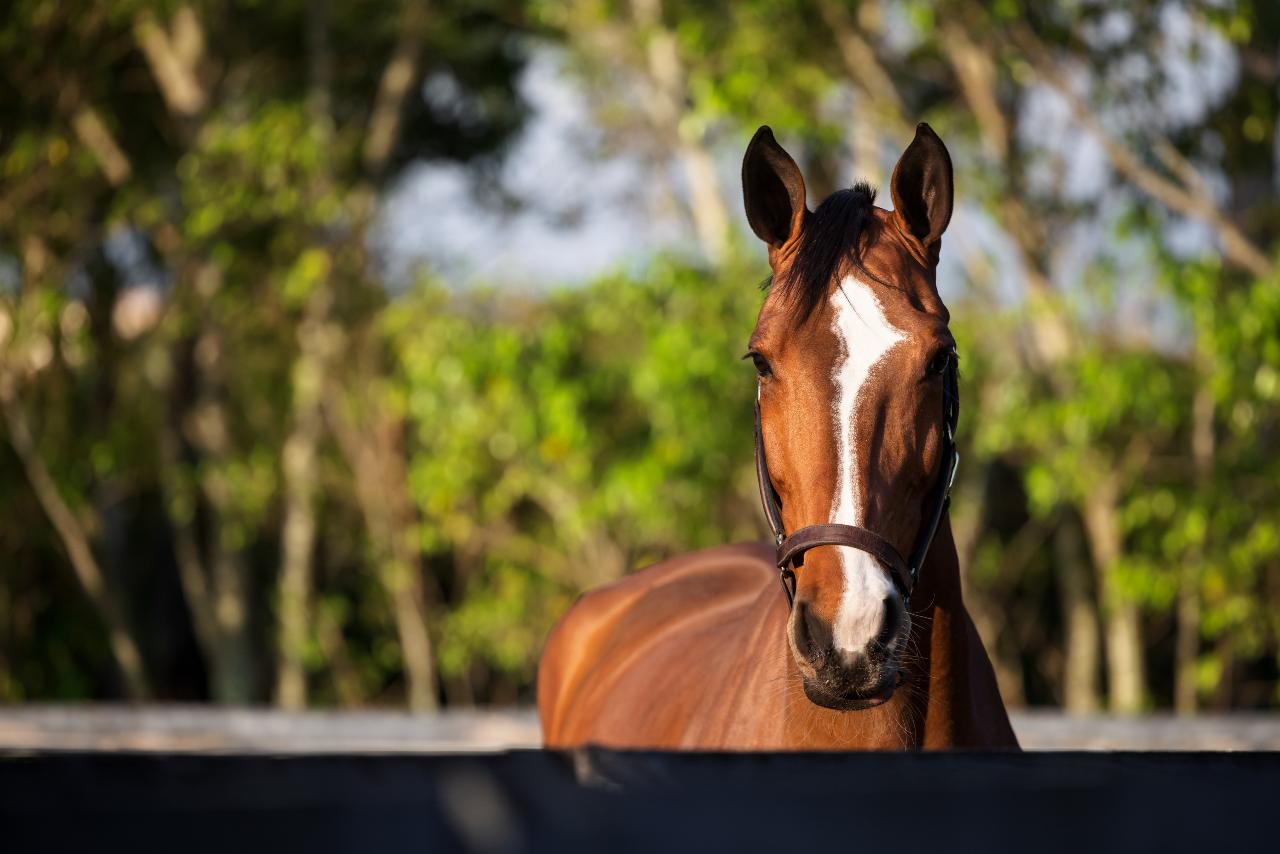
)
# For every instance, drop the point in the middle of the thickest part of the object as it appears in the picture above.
(773, 190)
(922, 189)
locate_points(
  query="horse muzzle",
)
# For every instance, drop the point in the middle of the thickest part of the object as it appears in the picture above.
(822, 692)
(848, 679)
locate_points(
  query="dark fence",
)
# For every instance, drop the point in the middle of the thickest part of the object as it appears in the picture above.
(597, 800)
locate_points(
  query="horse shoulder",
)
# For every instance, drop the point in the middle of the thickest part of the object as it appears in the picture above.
(604, 624)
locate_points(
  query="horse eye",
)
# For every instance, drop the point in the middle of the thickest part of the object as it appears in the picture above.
(762, 365)
(938, 363)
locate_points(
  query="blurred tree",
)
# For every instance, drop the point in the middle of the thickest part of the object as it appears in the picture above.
(271, 479)
(242, 172)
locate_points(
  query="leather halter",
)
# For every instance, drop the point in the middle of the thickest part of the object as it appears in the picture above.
(904, 573)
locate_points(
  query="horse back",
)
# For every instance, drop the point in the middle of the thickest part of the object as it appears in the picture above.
(625, 660)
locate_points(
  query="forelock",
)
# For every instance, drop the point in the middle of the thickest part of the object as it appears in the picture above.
(833, 238)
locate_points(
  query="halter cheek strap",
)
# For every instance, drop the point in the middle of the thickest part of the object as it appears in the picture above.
(905, 573)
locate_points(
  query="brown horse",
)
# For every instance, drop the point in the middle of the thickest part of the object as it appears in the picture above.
(856, 372)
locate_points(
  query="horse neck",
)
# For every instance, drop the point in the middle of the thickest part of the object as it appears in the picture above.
(939, 582)
(938, 667)
(961, 706)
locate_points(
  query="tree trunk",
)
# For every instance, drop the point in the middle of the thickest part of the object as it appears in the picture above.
(347, 684)
(854, 40)
(865, 138)
(1187, 642)
(398, 75)
(124, 647)
(299, 528)
(710, 216)
(298, 456)
(666, 103)
(233, 664)
(211, 604)
(405, 584)
(207, 425)
(373, 454)
(1126, 678)
(1224, 692)
(1080, 618)
(213, 586)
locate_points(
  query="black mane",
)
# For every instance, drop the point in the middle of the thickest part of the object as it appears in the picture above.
(832, 236)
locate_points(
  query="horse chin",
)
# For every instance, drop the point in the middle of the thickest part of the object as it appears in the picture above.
(853, 701)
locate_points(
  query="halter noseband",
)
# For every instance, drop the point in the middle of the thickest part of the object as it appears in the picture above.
(905, 574)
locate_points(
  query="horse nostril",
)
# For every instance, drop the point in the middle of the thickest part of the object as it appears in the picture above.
(893, 611)
(803, 634)
(810, 634)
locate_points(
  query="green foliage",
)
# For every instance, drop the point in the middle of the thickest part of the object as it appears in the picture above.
(560, 443)
(480, 458)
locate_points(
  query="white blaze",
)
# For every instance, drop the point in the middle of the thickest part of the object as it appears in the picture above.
(866, 336)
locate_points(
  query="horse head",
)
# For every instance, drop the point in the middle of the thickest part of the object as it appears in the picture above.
(856, 367)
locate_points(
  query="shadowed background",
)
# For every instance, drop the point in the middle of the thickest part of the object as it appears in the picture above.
(342, 344)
